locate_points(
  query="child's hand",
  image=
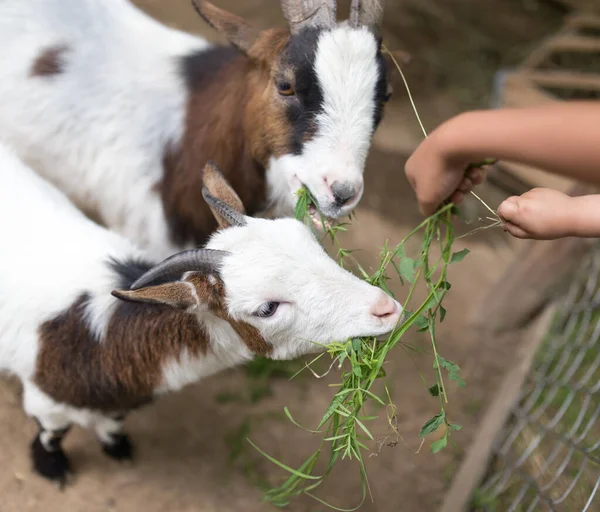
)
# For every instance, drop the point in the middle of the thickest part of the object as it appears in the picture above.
(541, 214)
(437, 176)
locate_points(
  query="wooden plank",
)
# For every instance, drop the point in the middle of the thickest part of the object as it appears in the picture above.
(573, 43)
(475, 464)
(525, 288)
(565, 79)
(565, 41)
(519, 91)
(578, 20)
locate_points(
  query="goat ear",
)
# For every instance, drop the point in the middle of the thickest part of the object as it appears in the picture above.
(237, 31)
(178, 295)
(223, 201)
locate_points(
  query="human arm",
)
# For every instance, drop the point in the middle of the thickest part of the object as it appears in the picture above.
(562, 138)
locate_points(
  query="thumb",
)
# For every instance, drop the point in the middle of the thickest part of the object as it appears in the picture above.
(509, 210)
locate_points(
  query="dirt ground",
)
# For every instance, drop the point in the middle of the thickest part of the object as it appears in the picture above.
(191, 450)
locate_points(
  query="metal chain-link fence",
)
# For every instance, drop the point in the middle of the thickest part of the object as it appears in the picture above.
(547, 456)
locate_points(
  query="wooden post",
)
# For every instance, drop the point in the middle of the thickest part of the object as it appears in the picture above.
(474, 466)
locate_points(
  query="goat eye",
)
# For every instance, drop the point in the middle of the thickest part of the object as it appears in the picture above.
(285, 89)
(267, 309)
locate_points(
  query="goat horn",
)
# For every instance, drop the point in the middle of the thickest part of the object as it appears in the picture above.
(368, 13)
(308, 13)
(201, 260)
(231, 215)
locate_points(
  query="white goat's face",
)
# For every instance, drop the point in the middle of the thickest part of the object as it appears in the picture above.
(270, 279)
(316, 93)
(339, 83)
(279, 279)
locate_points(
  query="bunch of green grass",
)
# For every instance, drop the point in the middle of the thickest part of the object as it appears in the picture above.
(345, 424)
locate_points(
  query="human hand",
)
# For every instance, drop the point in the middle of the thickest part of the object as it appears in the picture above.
(436, 175)
(541, 214)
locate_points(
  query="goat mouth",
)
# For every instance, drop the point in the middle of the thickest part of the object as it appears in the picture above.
(320, 222)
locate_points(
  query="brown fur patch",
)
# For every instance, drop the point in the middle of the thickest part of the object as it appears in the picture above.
(214, 296)
(49, 62)
(122, 371)
(268, 129)
(214, 131)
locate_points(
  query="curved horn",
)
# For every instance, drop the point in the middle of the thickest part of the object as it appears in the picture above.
(202, 260)
(368, 13)
(308, 13)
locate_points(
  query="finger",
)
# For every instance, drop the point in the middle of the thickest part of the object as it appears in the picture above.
(465, 186)
(509, 209)
(472, 172)
(427, 208)
(457, 197)
(516, 231)
(479, 176)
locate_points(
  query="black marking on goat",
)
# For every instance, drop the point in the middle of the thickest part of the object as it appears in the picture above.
(199, 68)
(381, 89)
(129, 271)
(308, 103)
(120, 448)
(52, 464)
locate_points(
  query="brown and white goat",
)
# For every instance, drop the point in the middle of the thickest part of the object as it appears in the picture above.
(88, 354)
(121, 113)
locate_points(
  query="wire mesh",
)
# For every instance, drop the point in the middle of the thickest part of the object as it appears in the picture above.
(547, 456)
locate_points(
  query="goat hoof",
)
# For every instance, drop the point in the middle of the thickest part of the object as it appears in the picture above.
(121, 449)
(52, 465)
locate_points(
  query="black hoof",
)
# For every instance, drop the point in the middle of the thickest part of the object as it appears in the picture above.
(52, 465)
(121, 449)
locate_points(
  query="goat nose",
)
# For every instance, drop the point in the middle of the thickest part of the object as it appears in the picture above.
(342, 192)
(384, 307)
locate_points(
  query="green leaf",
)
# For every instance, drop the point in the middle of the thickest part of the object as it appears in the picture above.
(453, 371)
(333, 407)
(432, 424)
(431, 302)
(434, 390)
(454, 426)
(356, 344)
(421, 322)
(459, 256)
(442, 313)
(407, 269)
(438, 445)
(283, 466)
(290, 417)
(448, 365)
(357, 371)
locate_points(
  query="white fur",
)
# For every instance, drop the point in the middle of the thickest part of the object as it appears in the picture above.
(100, 136)
(98, 131)
(347, 71)
(54, 254)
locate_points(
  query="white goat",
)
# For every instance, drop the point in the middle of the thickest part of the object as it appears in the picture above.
(85, 356)
(121, 113)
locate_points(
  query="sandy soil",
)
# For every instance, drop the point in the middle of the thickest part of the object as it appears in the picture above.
(191, 454)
